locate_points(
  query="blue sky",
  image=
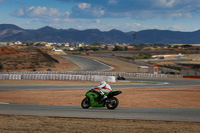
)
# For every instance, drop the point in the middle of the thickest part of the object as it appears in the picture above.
(124, 15)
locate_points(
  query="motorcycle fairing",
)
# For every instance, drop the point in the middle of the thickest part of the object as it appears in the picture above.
(92, 96)
(113, 93)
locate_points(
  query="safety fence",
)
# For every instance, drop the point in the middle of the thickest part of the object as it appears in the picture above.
(190, 72)
(66, 75)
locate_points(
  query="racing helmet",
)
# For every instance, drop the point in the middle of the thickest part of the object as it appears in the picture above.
(103, 83)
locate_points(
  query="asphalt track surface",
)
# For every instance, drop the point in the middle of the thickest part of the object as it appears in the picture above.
(135, 113)
(131, 113)
(155, 83)
(164, 114)
(87, 64)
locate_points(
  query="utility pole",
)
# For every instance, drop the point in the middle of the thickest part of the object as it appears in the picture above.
(134, 37)
(134, 42)
(37, 37)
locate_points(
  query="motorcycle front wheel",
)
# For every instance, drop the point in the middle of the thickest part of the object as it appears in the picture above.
(85, 103)
(113, 103)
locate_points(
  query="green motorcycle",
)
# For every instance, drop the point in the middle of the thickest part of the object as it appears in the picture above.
(94, 99)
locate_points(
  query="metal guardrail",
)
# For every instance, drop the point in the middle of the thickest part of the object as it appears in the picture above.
(190, 72)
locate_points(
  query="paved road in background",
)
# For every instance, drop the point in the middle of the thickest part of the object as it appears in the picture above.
(87, 64)
(156, 82)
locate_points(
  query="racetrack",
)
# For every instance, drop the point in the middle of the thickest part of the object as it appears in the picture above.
(87, 64)
(161, 114)
(154, 82)
(166, 114)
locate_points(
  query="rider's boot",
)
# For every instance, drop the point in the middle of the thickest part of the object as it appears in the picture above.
(104, 97)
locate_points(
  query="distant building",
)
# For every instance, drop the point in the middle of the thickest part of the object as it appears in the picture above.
(70, 48)
(165, 56)
(66, 44)
(4, 43)
(47, 45)
(18, 43)
(57, 50)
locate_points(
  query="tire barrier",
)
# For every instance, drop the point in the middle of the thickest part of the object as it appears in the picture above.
(10, 76)
(65, 74)
(57, 77)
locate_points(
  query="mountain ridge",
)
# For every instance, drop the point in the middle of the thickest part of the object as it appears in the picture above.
(10, 32)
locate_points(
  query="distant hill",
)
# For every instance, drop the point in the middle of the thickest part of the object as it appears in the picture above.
(9, 32)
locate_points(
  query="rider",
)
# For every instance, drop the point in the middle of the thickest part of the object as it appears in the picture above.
(103, 87)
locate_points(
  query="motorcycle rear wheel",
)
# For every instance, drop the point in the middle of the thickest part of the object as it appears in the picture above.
(113, 103)
(85, 103)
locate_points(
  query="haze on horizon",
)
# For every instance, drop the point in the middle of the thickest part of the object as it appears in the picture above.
(124, 15)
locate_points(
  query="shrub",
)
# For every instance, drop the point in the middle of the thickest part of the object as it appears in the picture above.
(1, 66)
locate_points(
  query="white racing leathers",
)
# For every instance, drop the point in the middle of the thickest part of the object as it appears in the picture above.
(104, 88)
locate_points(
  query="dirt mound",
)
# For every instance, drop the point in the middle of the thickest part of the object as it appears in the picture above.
(7, 50)
(24, 58)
